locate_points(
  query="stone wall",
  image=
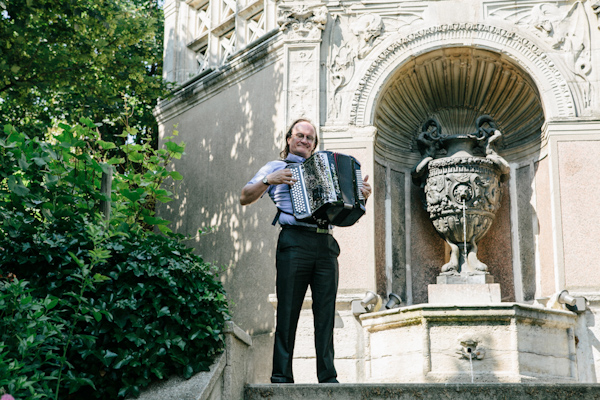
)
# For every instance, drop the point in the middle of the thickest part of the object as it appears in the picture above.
(369, 74)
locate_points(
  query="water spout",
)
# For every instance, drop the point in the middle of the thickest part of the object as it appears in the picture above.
(464, 210)
(470, 351)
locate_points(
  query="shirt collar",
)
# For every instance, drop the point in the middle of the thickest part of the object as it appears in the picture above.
(295, 158)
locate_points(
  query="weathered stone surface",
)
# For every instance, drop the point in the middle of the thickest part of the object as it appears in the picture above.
(456, 391)
(507, 342)
(464, 294)
(376, 71)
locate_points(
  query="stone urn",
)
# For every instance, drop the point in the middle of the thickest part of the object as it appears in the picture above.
(461, 175)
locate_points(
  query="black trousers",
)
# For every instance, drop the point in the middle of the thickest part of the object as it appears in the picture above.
(305, 259)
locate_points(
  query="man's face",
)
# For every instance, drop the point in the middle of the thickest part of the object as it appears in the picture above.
(302, 141)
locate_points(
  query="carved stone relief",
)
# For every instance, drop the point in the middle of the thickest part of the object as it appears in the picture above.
(302, 22)
(596, 8)
(367, 28)
(302, 83)
(353, 35)
(565, 27)
(341, 70)
(563, 101)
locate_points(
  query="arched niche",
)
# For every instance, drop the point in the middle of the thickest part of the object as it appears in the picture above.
(455, 85)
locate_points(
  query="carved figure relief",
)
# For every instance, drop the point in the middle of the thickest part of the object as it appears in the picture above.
(596, 8)
(367, 28)
(302, 22)
(565, 29)
(460, 175)
(569, 33)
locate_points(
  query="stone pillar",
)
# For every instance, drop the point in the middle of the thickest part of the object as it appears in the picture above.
(302, 26)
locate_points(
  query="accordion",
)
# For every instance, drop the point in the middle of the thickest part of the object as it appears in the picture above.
(327, 190)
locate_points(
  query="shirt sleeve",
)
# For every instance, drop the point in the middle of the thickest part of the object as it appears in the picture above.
(266, 170)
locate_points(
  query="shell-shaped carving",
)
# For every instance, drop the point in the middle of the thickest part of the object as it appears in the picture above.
(454, 86)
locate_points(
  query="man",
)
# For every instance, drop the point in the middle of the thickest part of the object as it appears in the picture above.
(306, 256)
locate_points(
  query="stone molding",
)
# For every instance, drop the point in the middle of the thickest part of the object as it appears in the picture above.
(467, 34)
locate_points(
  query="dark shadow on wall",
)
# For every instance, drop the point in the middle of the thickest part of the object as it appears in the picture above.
(229, 136)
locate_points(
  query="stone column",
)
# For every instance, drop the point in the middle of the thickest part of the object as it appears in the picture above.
(302, 26)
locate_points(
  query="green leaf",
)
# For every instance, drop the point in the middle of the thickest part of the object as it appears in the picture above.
(87, 122)
(174, 147)
(106, 145)
(16, 187)
(100, 278)
(53, 303)
(176, 175)
(97, 315)
(26, 300)
(79, 262)
(40, 162)
(136, 157)
(133, 196)
(155, 221)
(165, 229)
(116, 160)
(164, 311)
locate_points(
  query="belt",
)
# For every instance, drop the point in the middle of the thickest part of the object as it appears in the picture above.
(308, 229)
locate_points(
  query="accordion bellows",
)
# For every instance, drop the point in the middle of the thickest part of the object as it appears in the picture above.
(327, 190)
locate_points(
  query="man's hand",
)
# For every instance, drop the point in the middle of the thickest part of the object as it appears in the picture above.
(252, 192)
(280, 177)
(366, 188)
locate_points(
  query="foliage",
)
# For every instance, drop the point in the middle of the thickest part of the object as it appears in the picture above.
(110, 306)
(62, 60)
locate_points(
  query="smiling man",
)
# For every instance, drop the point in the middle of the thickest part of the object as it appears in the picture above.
(306, 256)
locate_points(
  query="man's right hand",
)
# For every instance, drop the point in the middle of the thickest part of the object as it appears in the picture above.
(283, 176)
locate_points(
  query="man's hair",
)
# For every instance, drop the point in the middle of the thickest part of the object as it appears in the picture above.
(284, 153)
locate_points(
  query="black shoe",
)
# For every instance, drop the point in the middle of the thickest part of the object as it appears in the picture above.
(332, 380)
(281, 380)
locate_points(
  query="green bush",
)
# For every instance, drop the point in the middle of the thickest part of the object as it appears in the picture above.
(98, 308)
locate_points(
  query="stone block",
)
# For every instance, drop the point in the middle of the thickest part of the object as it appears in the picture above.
(464, 294)
(464, 279)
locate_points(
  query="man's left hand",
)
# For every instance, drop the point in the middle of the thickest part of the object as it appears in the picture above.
(366, 188)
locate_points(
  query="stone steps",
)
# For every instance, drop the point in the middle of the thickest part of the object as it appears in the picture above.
(450, 391)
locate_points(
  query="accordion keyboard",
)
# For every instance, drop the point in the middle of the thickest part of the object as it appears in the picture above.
(297, 193)
(359, 184)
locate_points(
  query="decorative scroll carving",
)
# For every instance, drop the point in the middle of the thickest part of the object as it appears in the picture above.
(367, 28)
(302, 22)
(460, 175)
(341, 70)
